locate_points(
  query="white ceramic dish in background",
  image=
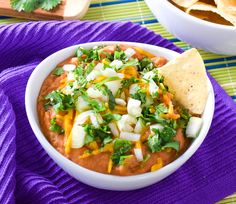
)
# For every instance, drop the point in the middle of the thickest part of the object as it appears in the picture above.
(98, 180)
(208, 36)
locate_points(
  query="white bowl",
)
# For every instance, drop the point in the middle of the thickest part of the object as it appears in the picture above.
(212, 37)
(92, 178)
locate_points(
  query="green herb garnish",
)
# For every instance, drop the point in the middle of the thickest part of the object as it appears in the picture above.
(162, 139)
(54, 127)
(60, 101)
(31, 5)
(121, 147)
(58, 71)
(101, 133)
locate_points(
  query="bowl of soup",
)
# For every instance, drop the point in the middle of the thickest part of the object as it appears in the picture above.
(120, 115)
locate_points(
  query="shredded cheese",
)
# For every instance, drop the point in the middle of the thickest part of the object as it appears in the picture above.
(158, 165)
(110, 164)
(143, 52)
(68, 124)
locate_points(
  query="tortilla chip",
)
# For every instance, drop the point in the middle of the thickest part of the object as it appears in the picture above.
(185, 3)
(227, 6)
(187, 80)
(210, 13)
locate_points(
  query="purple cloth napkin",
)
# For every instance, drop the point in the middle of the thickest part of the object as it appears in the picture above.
(29, 175)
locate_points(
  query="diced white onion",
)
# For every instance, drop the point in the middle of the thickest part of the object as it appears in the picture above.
(134, 107)
(82, 105)
(96, 119)
(114, 86)
(156, 126)
(109, 72)
(94, 93)
(133, 88)
(99, 67)
(139, 126)
(83, 117)
(114, 129)
(193, 127)
(116, 64)
(120, 101)
(129, 52)
(126, 122)
(93, 74)
(70, 76)
(138, 154)
(69, 67)
(120, 75)
(130, 136)
(78, 135)
(153, 88)
(149, 75)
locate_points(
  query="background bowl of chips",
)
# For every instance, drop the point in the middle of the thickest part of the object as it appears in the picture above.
(209, 36)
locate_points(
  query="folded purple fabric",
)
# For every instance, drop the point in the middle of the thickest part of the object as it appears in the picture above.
(29, 175)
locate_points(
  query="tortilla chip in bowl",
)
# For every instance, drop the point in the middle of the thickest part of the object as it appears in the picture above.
(186, 78)
(211, 13)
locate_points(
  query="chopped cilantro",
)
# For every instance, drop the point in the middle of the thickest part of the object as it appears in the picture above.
(102, 133)
(108, 117)
(31, 5)
(106, 91)
(119, 55)
(121, 148)
(145, 65)
(139, 95)
(131, 63)
(126, 83)
(184, 118)
(58, 71)
(54, 127)
(60, 101)
(162, 139)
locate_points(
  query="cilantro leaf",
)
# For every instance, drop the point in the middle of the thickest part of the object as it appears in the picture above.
(175, 145)
(145, 65)
(60, 101)
(24, 5)
(119, 55)
(101, 133)
(126, 83)
(108, 117)
(54, 127)
(139, 95)
(131, 63)
(58, 71)
(31, 5)
(154, 143)
(106, 91)
(162, 139)
(121, 147)
(167, 134)
(49, 4)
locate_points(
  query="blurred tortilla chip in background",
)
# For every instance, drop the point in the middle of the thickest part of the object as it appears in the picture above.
(185, 3)
(216, 11)
(209, 13)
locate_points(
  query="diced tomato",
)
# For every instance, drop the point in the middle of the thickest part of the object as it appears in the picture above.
(159, 61)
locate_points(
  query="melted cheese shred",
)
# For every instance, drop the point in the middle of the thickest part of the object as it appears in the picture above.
(68, 124)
